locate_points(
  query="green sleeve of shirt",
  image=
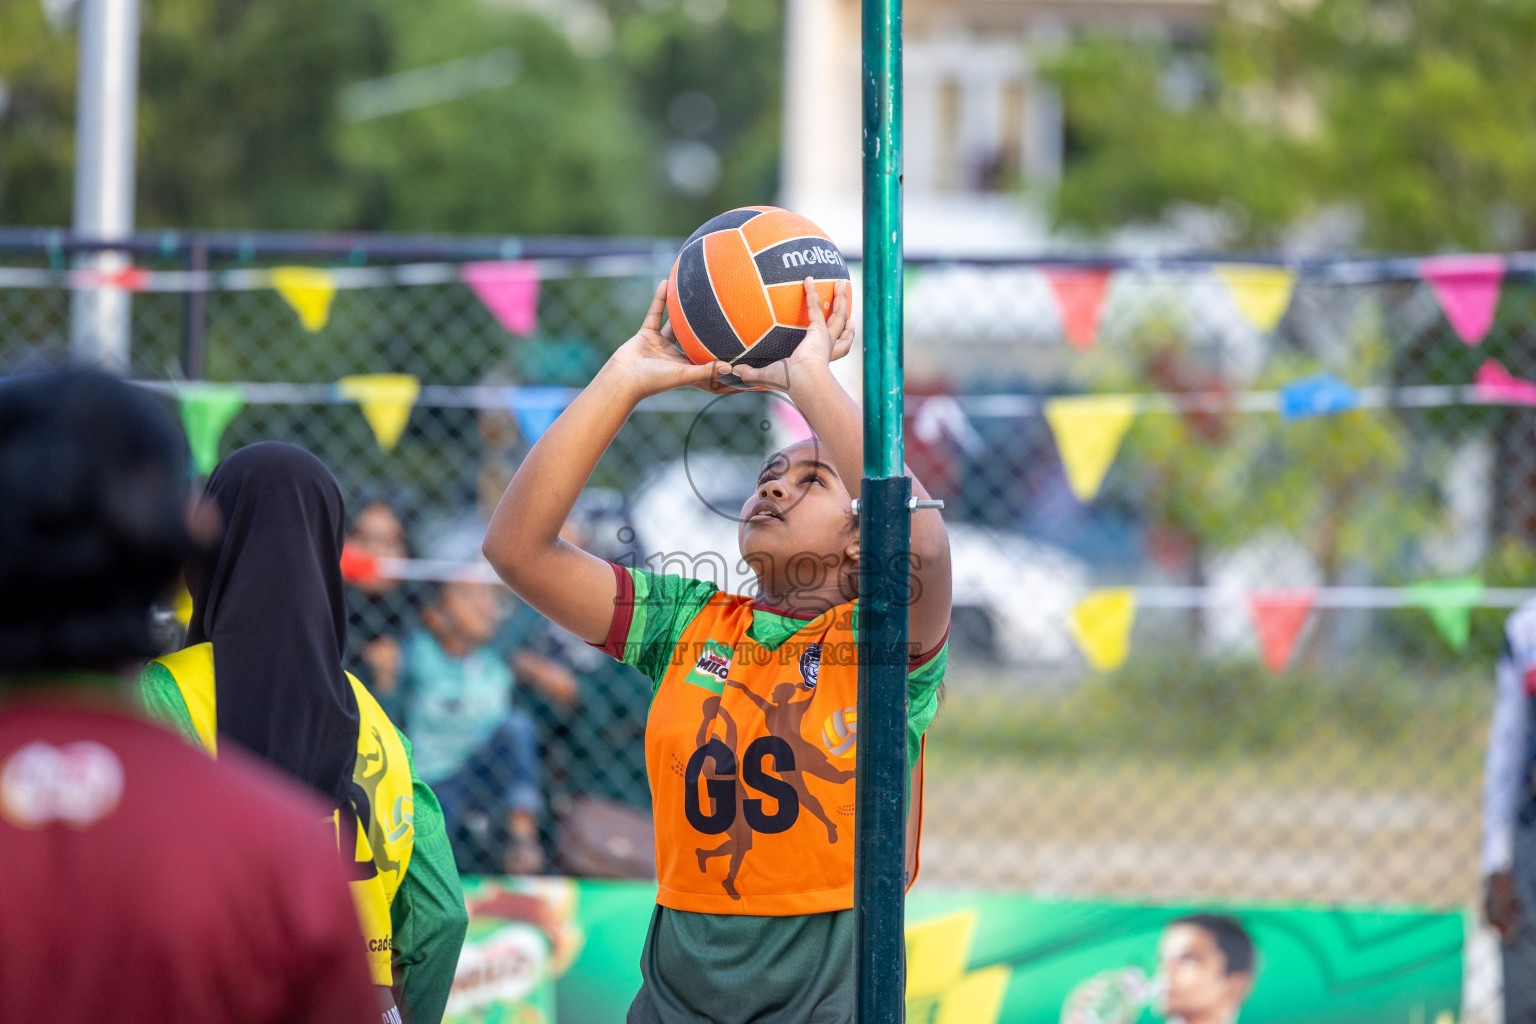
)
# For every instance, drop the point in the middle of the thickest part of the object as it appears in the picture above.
(923, 698)
(428, 915)
(659, 608)
(159, 695)
(922, 691)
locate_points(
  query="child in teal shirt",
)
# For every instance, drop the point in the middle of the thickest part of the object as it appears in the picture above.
(478, 752)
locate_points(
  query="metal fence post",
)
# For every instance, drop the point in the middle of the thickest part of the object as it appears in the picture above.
(194, 335)
(879, 864)
(105, 117)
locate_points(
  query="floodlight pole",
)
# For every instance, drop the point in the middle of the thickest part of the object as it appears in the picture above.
(885, 544)
(105, 117)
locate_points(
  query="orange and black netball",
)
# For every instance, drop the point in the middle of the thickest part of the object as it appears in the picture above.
(737, 290)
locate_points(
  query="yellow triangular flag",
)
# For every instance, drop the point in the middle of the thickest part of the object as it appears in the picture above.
(309, 290)
(1088, 434)
(1262, 293)
(1101, 625)
(976, 998)
(937, 951)
(387, 400)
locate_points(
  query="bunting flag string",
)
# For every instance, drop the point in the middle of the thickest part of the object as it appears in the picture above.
(1457, 269)
(1495, 384)
(309, 290)
(1088, 432)
(1467, 288)
(1101, 622)
(1449, 604)
(1292, 401)
(129, 278)
(1101, 625)
(510, 290)
(1261, 293)
(386, 400)
(206, 409)
(1278, 618)
(1080, 294)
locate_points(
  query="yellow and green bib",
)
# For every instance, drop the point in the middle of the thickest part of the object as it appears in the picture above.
(179, 689)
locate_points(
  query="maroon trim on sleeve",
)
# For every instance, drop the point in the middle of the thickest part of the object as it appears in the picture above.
(623, 613)
(922, 659)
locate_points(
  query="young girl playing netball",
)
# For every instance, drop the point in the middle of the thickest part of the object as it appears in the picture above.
(751, 736)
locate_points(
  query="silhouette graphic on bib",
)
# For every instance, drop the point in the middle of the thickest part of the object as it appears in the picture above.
(784, 715)
(736, 785)
(739, 833)
(367, 784)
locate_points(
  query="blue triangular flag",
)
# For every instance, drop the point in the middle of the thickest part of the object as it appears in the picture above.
(536, 408)
(1320, 395)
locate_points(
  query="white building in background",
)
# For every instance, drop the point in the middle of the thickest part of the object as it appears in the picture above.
(978, 120)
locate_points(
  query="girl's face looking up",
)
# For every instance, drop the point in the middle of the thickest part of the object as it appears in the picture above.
(797, 528)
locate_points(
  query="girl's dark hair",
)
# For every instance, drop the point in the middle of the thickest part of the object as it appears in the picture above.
(93, 491)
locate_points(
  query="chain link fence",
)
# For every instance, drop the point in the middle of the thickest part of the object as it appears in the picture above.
(1252, 662)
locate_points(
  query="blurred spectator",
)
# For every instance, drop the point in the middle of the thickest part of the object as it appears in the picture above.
(478, 752)
(381, 612)
(594, 744)
(594, 740)
(1509, 814)
(592, 734)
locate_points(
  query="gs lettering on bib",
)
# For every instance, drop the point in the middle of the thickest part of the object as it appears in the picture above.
(751, 755)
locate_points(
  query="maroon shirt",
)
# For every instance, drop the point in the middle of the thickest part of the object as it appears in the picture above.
(142, 881)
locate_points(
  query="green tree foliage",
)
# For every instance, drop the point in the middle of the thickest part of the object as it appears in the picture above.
(733, 55)
(234, 114)
(239, 124)
(37, 128)
(554, 152)
(1418, 114)
(237, 119)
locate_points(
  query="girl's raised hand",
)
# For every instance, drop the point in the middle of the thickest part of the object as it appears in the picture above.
(650, 362)
(826, 339)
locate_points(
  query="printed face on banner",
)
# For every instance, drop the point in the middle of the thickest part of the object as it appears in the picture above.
(1194, 984)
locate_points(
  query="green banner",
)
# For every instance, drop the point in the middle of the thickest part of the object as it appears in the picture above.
(556, 950)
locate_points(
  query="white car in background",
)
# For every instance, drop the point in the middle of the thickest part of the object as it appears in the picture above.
(1012, 595)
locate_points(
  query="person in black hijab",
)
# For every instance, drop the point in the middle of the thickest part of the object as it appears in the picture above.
(263, 668)
(270, 600)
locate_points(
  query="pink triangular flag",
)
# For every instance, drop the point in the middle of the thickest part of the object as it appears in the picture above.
(1467, 288)
(1079, 295)
(509, 289)
(1496, 384)
(1278, 617)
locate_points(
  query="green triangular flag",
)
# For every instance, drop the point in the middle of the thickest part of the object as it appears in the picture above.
(1449, 604)
(206, 410)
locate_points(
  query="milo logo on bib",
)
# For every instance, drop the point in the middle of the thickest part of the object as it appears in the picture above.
(713, 666)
